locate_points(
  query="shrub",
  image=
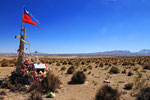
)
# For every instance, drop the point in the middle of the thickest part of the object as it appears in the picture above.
(4, 83)
(14, 83)
(43, 60)
(85, 69)
(13, 61)
(89, 73)
(128, 86)
(147, 67)
(5, 63)
(63, 68)
(132, 64)
(35, 95)
(78, 78)
(2, 93)
(58, 64)
(96, 66)
(64, 63)
(114, 70)
(77, 64)
(107, 93)
(139, 74)
(19, 88)
(70, 63)
(124, 71)
(17, 79)
(130, 73)
(139, 83)
(82, 63)
(35, 86)
(106, 63)
(97, 62)
(90, 67)
(144, 94)
(135, 68)
(125, 64)
(115, 63)
(109, 64)
(71, 70)
(106, 67)
(50, 84)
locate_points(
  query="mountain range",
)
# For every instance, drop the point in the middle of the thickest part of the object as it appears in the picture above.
(144, 52)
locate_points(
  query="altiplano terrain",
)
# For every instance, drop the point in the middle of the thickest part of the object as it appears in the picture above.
(128, 75)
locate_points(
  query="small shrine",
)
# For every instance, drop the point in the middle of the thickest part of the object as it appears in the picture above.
(33, 69)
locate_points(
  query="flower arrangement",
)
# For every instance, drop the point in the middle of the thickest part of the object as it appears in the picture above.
(27, 69)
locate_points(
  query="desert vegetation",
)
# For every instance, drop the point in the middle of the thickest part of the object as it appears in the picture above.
(78, 78)
(50, 84)
(90, 78)
(107, 93)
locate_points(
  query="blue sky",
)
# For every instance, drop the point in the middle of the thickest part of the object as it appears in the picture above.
(77, 26)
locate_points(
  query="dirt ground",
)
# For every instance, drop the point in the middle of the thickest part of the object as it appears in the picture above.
(95, 80)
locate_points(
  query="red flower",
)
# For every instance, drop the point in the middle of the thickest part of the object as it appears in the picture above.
(26, 63)
(23, 70)
(18, 50)
(23, 66)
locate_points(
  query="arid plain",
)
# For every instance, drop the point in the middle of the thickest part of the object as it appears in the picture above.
(127, 75)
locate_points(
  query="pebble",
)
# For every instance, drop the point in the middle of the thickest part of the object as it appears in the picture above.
(106, 81)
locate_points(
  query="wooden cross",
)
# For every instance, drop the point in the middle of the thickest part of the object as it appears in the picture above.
(22, 37)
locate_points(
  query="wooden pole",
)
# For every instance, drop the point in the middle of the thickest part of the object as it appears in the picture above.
(21, 45)
(22, 20)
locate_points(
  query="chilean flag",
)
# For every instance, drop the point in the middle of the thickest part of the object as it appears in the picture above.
(27, 18)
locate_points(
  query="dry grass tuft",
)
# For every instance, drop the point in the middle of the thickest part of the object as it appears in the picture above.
(146, 67)
(58, 64)
(2, 93)
(130, 73)
(128, 86)
(78, 78)
(71, 70)
(144, 94)
(114, 70)
(63, 68)
(107, 93)
(35, 86)
(5, 63)
(35, 95)
(50, 84)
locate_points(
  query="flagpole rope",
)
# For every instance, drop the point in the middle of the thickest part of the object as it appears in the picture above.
(35, 18)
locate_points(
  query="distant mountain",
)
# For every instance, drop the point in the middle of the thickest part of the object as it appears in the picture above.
(144, 52)
(11, 53)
